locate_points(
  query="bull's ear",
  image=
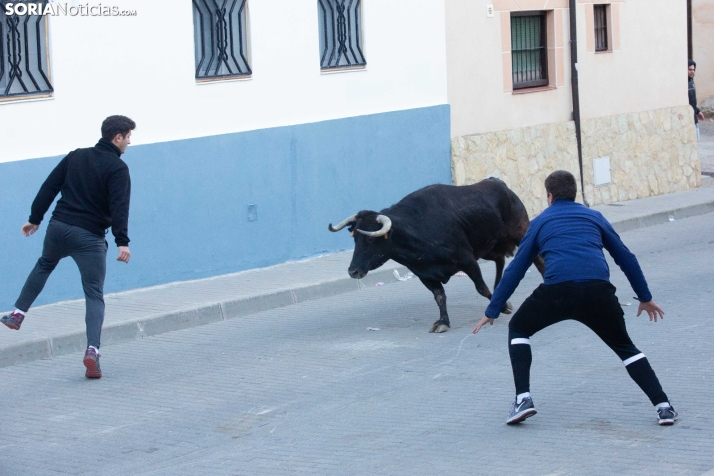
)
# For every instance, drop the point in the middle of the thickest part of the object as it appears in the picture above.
(352, 234)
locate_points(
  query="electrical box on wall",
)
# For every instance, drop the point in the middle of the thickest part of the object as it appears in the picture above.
(601, 171)
(252, 212)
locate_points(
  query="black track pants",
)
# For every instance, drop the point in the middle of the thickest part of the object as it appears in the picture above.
(592, 303)
(89, 251)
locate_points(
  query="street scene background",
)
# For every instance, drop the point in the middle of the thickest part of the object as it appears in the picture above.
(308, 389)
(236, 343)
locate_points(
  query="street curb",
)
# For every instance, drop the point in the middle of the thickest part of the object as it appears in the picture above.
(147, 326)
(45, 348)
(663, 217)
(25, 352)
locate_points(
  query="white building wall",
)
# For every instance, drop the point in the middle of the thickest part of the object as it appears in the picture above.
(643, 73)
(477, 70)
(143, 67)
(703, 45)
(646, 72)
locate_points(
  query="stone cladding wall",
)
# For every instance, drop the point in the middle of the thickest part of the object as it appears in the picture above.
(651, 153)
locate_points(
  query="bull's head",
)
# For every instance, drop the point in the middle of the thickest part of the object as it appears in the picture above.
(371, 233)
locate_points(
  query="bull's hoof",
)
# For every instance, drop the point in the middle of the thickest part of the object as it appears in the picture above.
(506, 309)
(439, 327)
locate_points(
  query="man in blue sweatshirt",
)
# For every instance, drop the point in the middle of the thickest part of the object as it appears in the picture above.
(570, 238)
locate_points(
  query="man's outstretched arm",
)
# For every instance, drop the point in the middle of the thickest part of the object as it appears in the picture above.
(49, 190)
(626, 260)
(513, 275)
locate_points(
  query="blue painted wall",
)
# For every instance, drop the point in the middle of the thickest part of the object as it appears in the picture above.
(190, 198)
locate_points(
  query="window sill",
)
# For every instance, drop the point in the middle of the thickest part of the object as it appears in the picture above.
(22, 99)
(343, 70)
(533, 90)
(604, 52)
(223, 80)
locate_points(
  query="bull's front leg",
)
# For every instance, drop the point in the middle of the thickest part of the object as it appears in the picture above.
(443, 324)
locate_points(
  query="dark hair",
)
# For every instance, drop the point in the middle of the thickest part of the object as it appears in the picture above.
(562, 185)
(693, 63)
(114, 125)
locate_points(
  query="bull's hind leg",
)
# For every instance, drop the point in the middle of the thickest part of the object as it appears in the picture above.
(443, 324)
(473, 270)
(500, 264)
(540, 264)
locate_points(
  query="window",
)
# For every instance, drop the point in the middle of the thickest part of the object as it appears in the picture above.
(529, 50)
(340, 34)
(220, 30)
(601, 38)
(24, 57)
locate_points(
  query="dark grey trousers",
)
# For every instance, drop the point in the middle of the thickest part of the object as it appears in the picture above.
(89, 251)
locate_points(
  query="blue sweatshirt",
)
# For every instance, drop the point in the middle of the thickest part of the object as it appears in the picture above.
(570, 238)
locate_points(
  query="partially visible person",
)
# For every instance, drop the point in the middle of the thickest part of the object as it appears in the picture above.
(698, 116)
(95, 187)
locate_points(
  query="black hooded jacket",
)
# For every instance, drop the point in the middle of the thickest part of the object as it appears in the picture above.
(95, 187)
(693, 99)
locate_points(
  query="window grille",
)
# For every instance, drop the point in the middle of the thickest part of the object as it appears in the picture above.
(220, 29)
(529, 50)
(24, 56)
(601, 43)
(340, 34)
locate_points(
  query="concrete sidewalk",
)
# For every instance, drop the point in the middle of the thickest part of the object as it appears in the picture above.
(58, 329)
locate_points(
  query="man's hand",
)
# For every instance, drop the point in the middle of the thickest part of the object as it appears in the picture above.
(652, 310)
(28, 229)
(124, 254)
(700, 116)
(485, 320)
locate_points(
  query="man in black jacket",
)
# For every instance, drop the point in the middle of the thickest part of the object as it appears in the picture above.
(95, 187)
(698, 116)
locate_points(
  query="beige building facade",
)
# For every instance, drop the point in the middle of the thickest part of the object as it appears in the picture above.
(509, 86)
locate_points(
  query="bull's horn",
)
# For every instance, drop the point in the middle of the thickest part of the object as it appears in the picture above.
(386, 226)
(343, 223)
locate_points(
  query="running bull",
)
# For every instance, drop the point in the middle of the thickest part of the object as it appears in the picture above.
(440, 230)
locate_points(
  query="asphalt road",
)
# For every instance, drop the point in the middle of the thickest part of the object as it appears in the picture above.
(308, 389)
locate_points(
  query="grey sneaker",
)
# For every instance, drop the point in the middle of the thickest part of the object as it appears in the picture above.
(91, 361)
(13, 320)
(667, 415)
(520, 412)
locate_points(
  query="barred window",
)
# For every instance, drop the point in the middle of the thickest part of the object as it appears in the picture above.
(340, 34)
(601, 43)
(220, 30)
(24, 55)
(529, 50)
